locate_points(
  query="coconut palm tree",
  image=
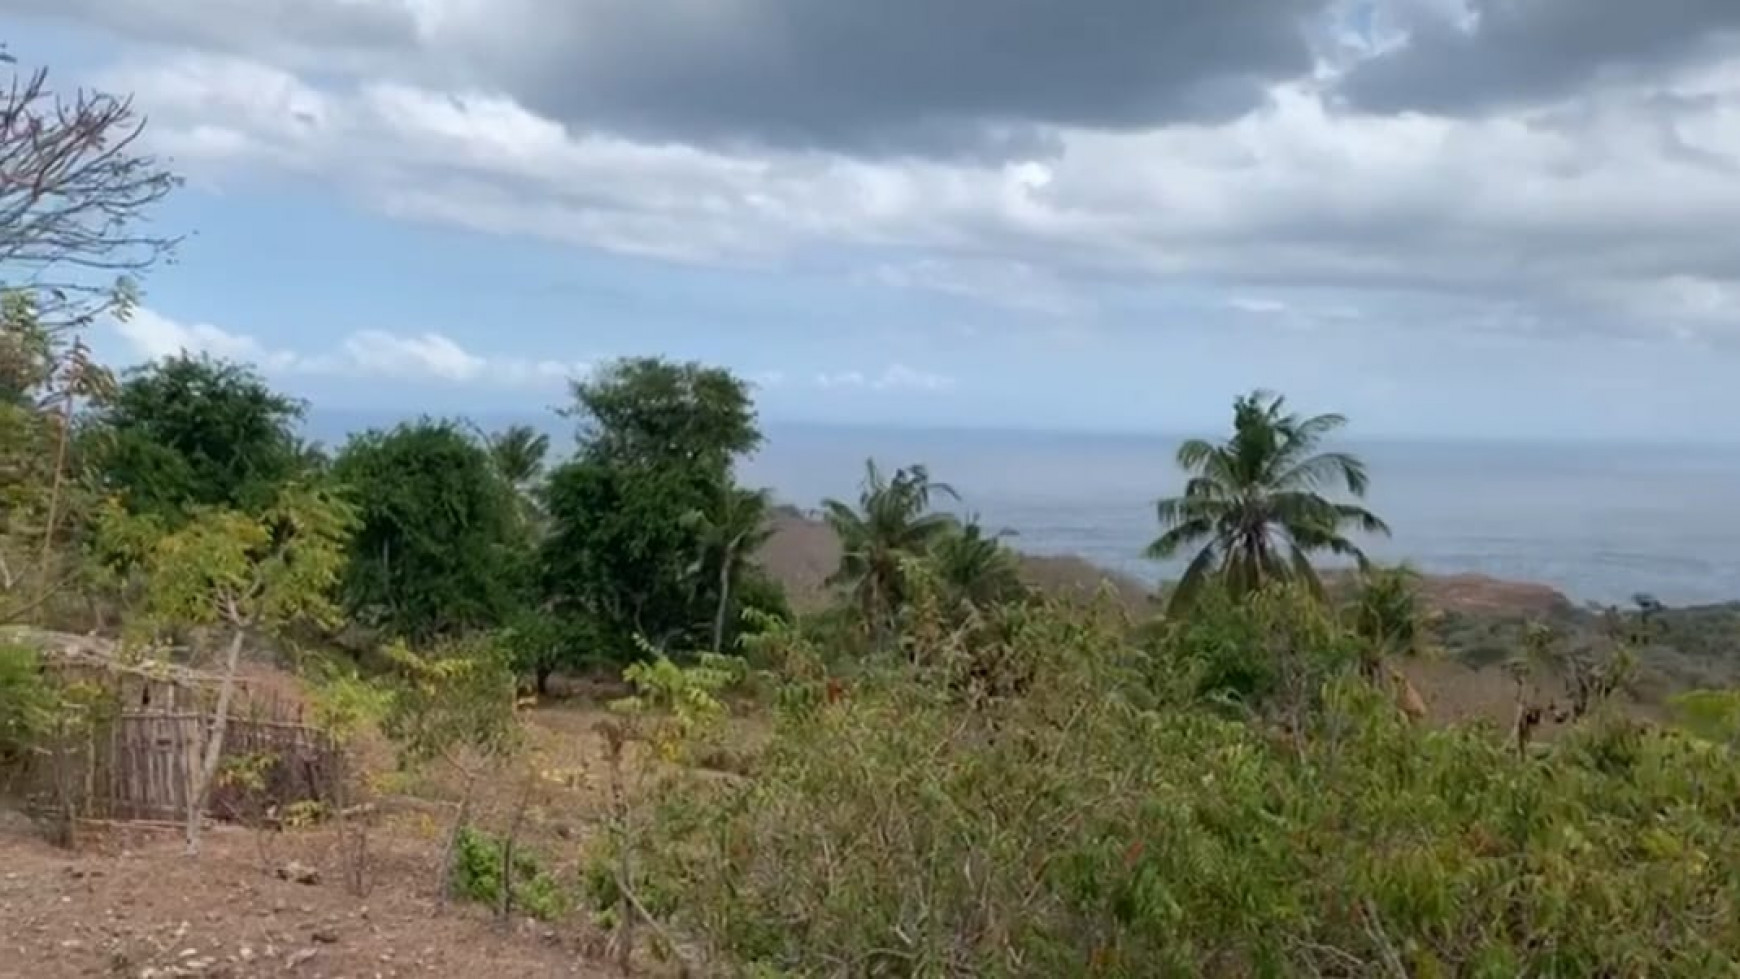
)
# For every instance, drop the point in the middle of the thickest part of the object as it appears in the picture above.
(975, 566)
(1392, 620)
(730, 532)
(1252, 505)
(518, 452)
(892, 523)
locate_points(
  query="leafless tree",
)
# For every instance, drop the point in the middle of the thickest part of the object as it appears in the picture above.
(75, 196)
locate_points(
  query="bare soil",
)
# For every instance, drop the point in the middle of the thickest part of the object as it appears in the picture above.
(130, 903)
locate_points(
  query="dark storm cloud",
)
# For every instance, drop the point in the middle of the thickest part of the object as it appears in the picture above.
(1526, 51)
(891, 76)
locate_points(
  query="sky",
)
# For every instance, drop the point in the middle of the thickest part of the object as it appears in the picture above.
(1460, 218)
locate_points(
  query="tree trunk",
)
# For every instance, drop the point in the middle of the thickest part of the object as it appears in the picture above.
(444, 879)
(724, 599)
(214, 743)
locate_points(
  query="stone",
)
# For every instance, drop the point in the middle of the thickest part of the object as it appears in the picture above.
(298, 872)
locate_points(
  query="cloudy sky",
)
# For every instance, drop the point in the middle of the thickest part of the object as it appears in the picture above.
(1448, 217)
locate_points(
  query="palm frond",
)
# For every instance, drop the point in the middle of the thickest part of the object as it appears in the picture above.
(1190, 583)
(1178, 536)
(1325, 471)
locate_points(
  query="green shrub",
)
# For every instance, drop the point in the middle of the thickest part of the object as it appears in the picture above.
(27, 704)
(477, 876)
(1105, 823)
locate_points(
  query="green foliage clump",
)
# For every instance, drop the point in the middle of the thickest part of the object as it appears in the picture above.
(460, 696)
(440, 547)
(46, 376)
(479, 859)
(891, 526)
(1253, 507)
(683, 699)
(1107, 822)
(27, 704)
(264, 571)
(187, 432)
(648, 535)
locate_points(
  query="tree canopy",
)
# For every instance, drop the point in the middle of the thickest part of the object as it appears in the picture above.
(1253, 505)
(439, 548)
(650, 411)
(892, 523)
(637, 530)
(194, 431)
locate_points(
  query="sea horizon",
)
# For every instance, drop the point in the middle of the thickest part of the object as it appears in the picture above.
(1599, 521)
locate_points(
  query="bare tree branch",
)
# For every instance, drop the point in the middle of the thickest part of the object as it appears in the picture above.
(75, 194)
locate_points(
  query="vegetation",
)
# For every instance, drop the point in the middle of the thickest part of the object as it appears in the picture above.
(76, 197)
(246, 575)
(950, 773)
(439, 549)
(648, 533)
(1253, 503)
(892, 525)
(44, 376)
(1109, 822)
(189, 431)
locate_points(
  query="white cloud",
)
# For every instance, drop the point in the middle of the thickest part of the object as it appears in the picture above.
(1536, 212)
(152, 336)
(424, 355)
(367, 353)
(894, 377)
(900, 376)
(1256, 305)
(842, 379)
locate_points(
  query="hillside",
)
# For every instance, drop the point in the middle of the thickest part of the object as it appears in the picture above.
(1480, 624)
(803, 552)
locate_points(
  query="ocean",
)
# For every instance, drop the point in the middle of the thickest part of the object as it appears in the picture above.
(1599, 522)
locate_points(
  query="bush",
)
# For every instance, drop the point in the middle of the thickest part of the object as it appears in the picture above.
(1105, 823)
(477, 876)
(27, 705)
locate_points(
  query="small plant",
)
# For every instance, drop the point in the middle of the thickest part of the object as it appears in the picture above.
(684, 698)
(456, 704)
(479, 859)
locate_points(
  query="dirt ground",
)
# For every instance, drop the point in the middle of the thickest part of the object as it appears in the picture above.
(132, 904)
(127, 902)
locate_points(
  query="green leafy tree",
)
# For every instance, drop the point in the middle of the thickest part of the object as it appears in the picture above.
(188, 432)
(1253, 507)
(974, 566)
(248, 575)
(731, 530)
(893, 523)
(438, 549)
(652, 412)
(45, 378)
(519, 452)
(657, 441)
(618, 560)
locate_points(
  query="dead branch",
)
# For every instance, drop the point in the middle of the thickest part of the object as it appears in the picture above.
(75, 190)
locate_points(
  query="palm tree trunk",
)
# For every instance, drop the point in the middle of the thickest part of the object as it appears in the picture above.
(724, 597)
